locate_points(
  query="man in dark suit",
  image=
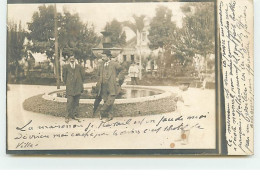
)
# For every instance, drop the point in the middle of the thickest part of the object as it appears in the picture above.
(73, 77)
(108, 85)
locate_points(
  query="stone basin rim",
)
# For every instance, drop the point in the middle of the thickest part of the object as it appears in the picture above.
(164, 94)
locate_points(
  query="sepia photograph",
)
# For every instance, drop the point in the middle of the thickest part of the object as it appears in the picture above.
(112, 78)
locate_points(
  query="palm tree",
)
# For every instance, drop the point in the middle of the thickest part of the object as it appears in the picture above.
(137, 27)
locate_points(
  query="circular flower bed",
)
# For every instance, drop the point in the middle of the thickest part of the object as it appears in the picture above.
(41, 105)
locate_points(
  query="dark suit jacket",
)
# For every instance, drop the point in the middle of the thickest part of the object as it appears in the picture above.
(113, 85)
(73, 78)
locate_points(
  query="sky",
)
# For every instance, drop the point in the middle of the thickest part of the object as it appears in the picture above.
(98, 13)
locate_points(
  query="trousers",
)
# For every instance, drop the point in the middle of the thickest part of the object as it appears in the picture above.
(72, 106)
(133, 80)
(107, 108)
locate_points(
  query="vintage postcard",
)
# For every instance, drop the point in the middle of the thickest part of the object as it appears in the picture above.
(132, 78)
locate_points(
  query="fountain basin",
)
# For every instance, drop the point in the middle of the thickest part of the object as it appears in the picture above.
(132, 96)
(153, 101)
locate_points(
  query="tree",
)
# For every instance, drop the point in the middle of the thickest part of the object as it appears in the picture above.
(74, 37)
(69, 28)
(15, 47)
(137, 27)
(118, 37)
(41, 31)
(69, 31)
(161, 28)
(197, 33)
(44, 36)
(87, 39)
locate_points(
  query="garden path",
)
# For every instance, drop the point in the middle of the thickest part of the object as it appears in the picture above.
(201, 102)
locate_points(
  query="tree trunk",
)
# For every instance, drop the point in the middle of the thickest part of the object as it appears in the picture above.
(16, 72)
(84, 63)
(206, 63)
(61, 68)
(162, 63)
(92, 64)
(140, 65)
(54, 68)
(140, 55)
(56, 47)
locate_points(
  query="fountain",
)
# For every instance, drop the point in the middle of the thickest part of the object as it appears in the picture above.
(107, 45)
(132, 101)
(135, 101)
(129, 94)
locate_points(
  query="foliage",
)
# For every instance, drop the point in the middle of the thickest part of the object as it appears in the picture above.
(41, 31)
(118, 37)
(86, 40)
(161, 27)
(138, 25)
(196, 36)
(15, 48)
(139, 22)
(197, 33)
(69, 29)
(74, 37)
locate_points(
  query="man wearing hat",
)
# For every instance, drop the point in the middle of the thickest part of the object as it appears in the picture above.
(73, 77)
(108, 85)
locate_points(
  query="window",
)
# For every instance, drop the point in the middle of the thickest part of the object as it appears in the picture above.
(124, 57)
(132, 58)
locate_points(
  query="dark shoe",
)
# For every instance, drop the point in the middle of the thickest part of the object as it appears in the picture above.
(76, 119)
(109, 119)
(93, 113)
(102, 115)
(67, 120)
